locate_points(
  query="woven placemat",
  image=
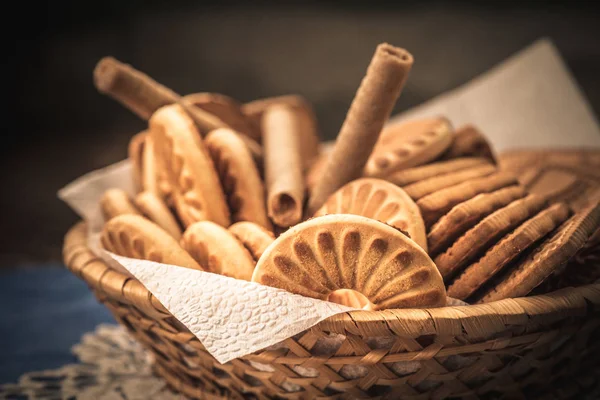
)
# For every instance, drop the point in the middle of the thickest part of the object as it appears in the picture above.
(110, 365)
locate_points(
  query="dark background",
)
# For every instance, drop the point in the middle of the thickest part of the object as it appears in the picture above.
(60, 127)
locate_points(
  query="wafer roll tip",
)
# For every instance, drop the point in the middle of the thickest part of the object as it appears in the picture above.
(105, 73)
(394, 54)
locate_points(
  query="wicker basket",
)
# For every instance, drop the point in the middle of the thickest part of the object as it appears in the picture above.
(535, 347)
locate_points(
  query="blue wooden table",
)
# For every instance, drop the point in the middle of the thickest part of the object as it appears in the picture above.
(43, 312)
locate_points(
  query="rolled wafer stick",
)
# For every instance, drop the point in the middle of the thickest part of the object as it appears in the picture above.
(283, 165)
(143, 96)
(370, 109)
(132, 88)
(309, 136)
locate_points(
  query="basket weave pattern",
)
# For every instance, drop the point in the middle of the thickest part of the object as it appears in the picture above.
(515, 348)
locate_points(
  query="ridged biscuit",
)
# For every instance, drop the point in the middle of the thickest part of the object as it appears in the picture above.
(548, 258)
(408, 145)
(254, 237)
(411, 175)
(435, 205)
(325, 254)
(197, 192)
(467, 214)
(380, 200)
(239, 177)
(217, 250)
(116, 202)
(135, 152)
(421, 189)
(486, 233)
(157, 211)
(136, 237)
(508, 249)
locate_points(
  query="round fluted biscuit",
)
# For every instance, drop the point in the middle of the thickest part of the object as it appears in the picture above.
(136, 237)
(325, 254)
(467, 214)
(380, 200)
(196, 190)
(408, 145)
(548, 259)
(435, 205)
(254, 237)
(485, 233)
(157, 211)
(217, 250)
(507, 249)
(431, 185)
(411, 175)
(227, 109)
(239, 177)
(116, 202)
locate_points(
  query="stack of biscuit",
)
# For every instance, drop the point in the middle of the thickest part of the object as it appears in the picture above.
(396, 217)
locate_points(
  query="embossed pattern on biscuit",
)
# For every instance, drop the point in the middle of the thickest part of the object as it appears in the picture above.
(239, 177)
(548, 259)
(410, 144)
(436, 204)
(411, 175)
(380, 200)
(217, 250)
(466, 214)
(253, 236)
(507, 249)
(196, 190)
(136, 237)
(325, 254)
(485, 233)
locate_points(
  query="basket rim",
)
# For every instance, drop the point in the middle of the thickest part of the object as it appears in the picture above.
(475, 320)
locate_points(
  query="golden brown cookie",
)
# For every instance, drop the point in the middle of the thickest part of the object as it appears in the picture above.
(467, 214)
(325, 254)
(217, 250)
(469, 142)
(380, 200)
(227, 109)
(423, 188)
(135, 152)
(197, 192)
(136, 237)
(116, 202)
(239, 177)
(547, 259)
(435, 205)
(157, 211)
(508, 249)
(478, 239)
(254, 237)
(411, 175)
(408, 145)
